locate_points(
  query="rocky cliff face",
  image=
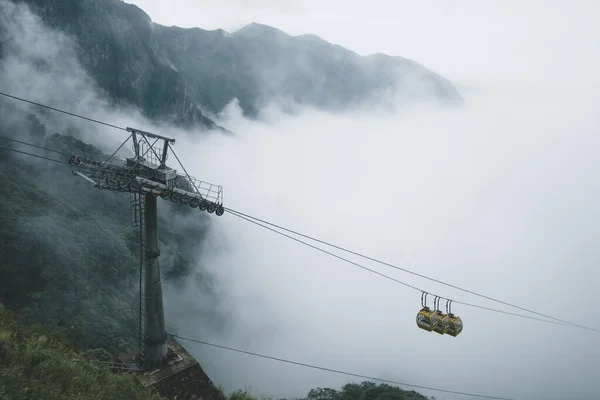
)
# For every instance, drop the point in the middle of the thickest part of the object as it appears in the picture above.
(174, 74)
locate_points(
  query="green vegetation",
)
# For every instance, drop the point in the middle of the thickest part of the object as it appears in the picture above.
(351, 391)
(38, 363)
(364, 391)
(248, 395)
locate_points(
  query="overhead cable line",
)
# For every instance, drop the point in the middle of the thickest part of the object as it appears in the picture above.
(34, 145)
(246, 216)
(406, 284)
(338, 371)
(34, 155)
(251, 219)
(62, 111)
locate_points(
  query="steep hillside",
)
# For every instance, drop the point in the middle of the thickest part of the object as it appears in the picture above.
(173, 73)
(40, 363)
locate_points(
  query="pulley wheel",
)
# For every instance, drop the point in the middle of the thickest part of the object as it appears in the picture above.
(211, 208)
(123, 183)
(135, 186)
(185, 199)
(194, 202)
(175, 197)
(220, 210)
(113, 182)
(203, 205)
(165, 194)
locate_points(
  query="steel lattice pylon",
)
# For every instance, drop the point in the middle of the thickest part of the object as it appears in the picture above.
(147, 177)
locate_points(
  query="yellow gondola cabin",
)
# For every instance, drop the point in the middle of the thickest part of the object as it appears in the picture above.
(427, 319)
(456, 325)
(444, 325)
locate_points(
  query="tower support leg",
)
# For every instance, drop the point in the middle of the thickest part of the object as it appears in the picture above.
(155, 341)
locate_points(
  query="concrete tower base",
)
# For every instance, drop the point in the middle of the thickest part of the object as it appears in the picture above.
(181, 378)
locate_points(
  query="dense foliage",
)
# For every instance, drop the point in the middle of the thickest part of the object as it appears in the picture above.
(352, 391)
(364, 391)
(38, 363)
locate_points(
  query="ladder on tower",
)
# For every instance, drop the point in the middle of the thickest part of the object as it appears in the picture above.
(137, 220)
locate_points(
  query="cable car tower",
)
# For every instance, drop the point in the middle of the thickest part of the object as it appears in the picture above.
(146, 177)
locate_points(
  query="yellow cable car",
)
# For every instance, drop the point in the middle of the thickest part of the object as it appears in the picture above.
(456, 324)
(444, 325)
(426, 318)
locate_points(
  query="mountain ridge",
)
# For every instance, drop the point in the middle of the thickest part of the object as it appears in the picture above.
(187, 75)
